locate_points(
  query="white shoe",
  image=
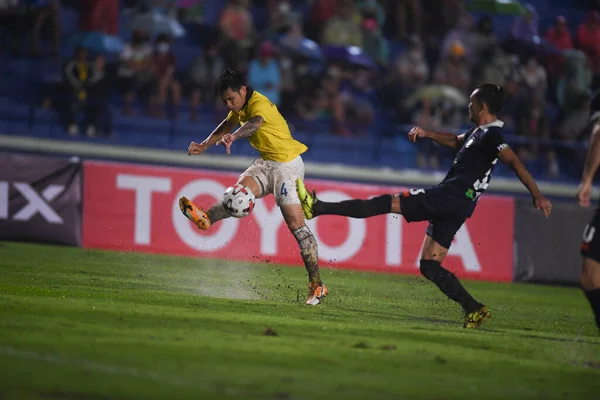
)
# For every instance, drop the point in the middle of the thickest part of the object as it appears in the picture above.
(315, 293)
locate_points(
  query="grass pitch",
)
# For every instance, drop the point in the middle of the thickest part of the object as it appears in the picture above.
(79, 324)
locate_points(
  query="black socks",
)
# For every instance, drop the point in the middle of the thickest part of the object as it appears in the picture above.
(448, 283)
(593, 297)
(356, 208)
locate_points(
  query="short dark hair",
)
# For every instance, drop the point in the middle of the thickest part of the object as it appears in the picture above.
(229, 79)
(492, 96)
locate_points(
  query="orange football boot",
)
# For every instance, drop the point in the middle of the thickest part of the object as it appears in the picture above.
(316, 292)
(195, 214)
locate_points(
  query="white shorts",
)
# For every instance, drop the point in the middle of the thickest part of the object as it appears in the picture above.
(278, 178)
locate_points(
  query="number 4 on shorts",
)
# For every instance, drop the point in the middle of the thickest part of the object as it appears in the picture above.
(283, 190)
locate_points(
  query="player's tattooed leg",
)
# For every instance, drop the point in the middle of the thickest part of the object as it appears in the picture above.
(355, 208)
(217, 213)
(309, 252)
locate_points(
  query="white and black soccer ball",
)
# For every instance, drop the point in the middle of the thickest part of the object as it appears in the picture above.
(238, 201)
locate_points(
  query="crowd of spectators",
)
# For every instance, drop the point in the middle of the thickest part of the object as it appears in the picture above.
(441, 43)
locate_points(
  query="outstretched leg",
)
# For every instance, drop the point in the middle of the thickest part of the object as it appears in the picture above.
(356, 208)
(205, 219)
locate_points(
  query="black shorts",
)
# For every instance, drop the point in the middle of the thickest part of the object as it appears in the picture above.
(590, 244)
(445, 207)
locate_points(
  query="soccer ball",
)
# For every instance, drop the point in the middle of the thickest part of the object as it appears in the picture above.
(238, 201)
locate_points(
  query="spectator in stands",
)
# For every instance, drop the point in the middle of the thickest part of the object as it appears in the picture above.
(99, 115)
(288, 86)
(44, 20)
(100, 16)
(452, 116)
(464, 34)
(533, 123)
(429, 152)
(280, 16)
(454, 70)
(291, 37)
(316, 108)
(331, 86)
(374, 44)
(588, 37)
(446, 14)
(357, 97)
(532, 120)
(575, 127)
(514, 101)
(237, 30)
(534, 76)
(494, 67)
(526, 27)
(410, 70)
(164, 69)
(411, 66)
(560, 36)
(290, 29)
(76, 73)
(373, 9)
(484, 40)
(264, 75)
(202, 75)
(135, 71)
(575, 81)
(320, 12)
(575, 124)
(408, 10)
(79, 77)
(343, 29)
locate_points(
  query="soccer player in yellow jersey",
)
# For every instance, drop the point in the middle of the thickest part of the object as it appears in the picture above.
(276, 171)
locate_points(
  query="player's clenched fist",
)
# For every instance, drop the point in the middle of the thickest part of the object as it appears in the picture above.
(415, 133)
(196, 148)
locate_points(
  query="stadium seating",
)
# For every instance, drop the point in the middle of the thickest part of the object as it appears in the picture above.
(23, 87)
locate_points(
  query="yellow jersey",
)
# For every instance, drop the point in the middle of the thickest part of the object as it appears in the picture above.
(273, 139)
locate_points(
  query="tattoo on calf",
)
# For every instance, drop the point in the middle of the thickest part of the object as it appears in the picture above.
(217, 213)
(309, 252)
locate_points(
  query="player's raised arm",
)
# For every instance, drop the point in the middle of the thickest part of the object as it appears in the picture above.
(508, 157)
(592, 163)
(444, 139)
(244, 131)
(221, 130)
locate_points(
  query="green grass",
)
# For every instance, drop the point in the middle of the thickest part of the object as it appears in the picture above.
(79, 324)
